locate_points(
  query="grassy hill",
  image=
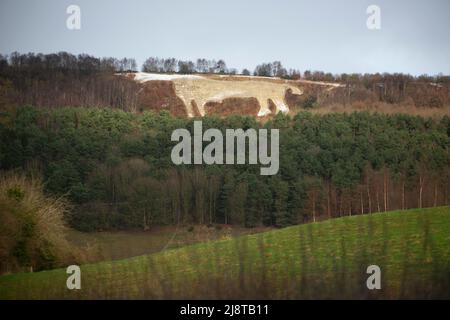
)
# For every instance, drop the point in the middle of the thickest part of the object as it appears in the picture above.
(321, 260)
(117, 245)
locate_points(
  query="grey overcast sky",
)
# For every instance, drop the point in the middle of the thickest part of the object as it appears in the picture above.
(304, 34)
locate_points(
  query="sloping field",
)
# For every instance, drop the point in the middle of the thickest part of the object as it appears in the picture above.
(197, 90)
(320, 260)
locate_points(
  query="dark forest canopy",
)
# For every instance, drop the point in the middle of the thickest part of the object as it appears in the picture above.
(115, 167)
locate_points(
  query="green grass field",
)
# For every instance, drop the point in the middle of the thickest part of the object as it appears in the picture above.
(319, 260)
(115, 245)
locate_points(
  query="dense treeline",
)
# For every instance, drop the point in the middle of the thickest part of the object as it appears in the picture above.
(63, 79)
(202, 65)
(37, 65)
(172, 65)
(116, 169)
(423, 91)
